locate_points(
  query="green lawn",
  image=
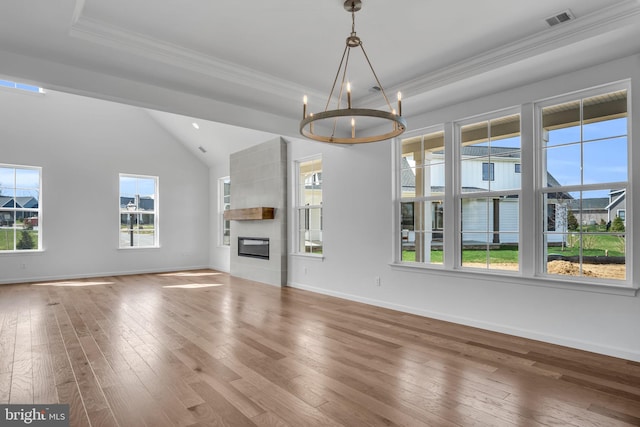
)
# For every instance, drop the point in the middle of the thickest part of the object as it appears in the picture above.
(593, 245)
(6, 238)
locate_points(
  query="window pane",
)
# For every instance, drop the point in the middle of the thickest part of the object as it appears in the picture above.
(7, 178)
(589, 236)
(504, 256)
(409, 177)
(605, 129)
(310, 232)
(422, 231)
(310, 183)
(475, 251)
(605, 161)
(561, 124)
(563, 165)
(27, 178)
(490, 235)
(489, 152)
(573, 254)
(146, 187)
(7, 231)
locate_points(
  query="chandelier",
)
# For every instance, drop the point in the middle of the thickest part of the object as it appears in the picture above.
(345, 124)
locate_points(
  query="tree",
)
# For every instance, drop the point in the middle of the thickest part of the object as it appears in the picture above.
(617, 225)
(26, 241)
(572, 221)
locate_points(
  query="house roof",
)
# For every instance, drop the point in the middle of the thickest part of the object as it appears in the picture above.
(20, 202)
(593, 204)
(484, 151)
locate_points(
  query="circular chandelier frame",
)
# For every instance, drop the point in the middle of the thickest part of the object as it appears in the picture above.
(398, 122)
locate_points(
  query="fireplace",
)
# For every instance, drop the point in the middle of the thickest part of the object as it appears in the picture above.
(254, 247)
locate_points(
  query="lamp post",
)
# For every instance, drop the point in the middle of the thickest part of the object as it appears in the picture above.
(131, 207)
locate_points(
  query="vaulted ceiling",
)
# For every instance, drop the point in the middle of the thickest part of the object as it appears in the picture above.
(248, 63)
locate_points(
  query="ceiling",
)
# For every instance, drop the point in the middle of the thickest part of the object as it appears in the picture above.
(248, 63)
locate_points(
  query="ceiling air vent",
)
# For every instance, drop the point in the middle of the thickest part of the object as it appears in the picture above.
(560, 18)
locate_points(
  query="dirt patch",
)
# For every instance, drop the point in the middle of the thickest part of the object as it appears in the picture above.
(566, 268)
(605, 271)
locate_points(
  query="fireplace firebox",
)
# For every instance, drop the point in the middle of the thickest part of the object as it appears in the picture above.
(254, 247)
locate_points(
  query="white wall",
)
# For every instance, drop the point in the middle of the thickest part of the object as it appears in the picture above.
(82, 144)
(358, 240)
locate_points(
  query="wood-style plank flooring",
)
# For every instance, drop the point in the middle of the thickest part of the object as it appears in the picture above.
(202, 348)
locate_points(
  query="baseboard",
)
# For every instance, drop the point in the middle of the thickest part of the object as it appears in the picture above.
(623, 353)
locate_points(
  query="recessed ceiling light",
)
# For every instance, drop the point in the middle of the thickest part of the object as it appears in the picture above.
(195, 125)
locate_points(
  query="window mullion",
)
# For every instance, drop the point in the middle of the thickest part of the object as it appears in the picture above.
(530, 173)
(451, 204)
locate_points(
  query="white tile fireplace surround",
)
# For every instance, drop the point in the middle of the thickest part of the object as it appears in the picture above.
(259, 178)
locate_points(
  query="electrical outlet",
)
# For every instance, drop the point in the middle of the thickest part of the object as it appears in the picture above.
(376, 280)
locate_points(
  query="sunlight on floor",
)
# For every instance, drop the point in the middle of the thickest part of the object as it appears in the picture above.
(191, 274)
(194, 285)
(72, 284)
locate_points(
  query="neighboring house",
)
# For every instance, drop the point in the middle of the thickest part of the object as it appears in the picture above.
(484, 168)
(22, 202)
(143, 204)
(617, 205)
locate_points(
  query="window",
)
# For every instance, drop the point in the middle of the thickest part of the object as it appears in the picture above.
(584, 160)
(138, 211)
(422, 177)
(20, 227)
(21, 86)
(489, 208)
(309, 206)
(488, 171)
(224, 204)
(570, 219)
(622, 214)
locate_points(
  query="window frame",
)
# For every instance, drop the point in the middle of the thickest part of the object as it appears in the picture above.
(426, 200)
(530, 248)
(37, 210)
(540, 189)
(299, 208)
(459, 195)
(155, 212)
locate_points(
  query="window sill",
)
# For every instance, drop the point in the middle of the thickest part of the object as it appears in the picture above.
(316, 257)
(22, 252)
(138, 248)
(518, 279)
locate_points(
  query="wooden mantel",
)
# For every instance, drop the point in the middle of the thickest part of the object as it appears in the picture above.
(249, 214)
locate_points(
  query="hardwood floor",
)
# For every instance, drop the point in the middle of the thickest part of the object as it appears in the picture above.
(202, 348)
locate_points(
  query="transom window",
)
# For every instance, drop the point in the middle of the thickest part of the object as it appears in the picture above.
(138, 211)
(20, 214)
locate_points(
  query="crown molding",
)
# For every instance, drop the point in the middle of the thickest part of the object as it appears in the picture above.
(602, 21)
(596, 23)
(96, 31)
